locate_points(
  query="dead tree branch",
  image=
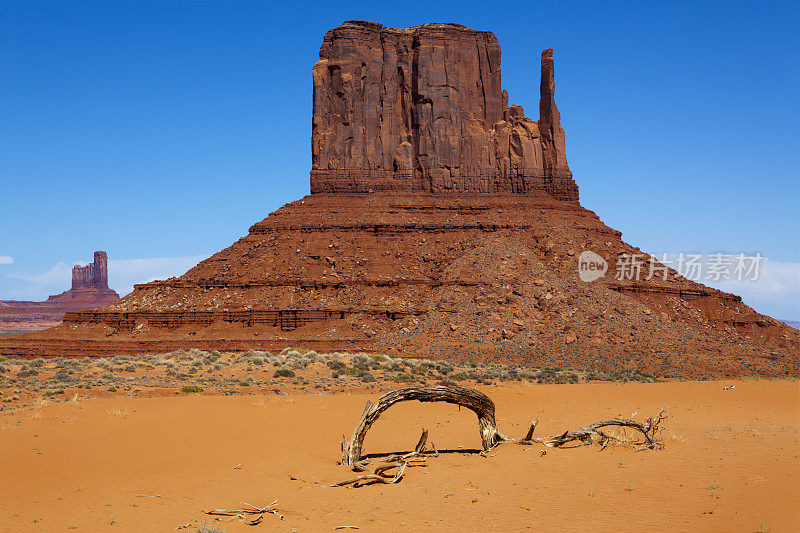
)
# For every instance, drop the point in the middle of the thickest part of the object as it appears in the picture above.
(251, 515)
(478, 402)
(491, 436)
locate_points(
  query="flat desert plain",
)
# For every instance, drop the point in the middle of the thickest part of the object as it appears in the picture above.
(126, 463)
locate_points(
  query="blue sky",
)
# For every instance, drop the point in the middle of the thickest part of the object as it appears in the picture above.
(160, 131)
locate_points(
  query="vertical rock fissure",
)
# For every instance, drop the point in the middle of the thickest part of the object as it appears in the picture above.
(415, 98)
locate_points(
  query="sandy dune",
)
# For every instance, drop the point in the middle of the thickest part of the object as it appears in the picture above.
(730, 462)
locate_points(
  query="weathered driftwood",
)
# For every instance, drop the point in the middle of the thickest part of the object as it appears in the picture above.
(251, 515)
(491, 436)
(592, 433)
(377, 474)
(476, 401)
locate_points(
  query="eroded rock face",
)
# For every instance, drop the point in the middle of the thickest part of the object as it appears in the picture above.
(93, 275)
(423, 109)
(89, 290)
(431, 263)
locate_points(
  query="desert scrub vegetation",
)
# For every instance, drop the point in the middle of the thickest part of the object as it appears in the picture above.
(622, 376)
(404, 378)
(209, 528)
(192, 388)
(298, 368)
(26, 371)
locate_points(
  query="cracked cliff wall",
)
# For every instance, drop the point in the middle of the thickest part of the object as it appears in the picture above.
(423, 109)
(94, 275)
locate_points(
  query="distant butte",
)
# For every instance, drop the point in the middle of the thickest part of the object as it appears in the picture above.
(442, 223)
(89, 290)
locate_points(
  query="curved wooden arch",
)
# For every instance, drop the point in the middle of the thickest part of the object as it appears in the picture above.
(483, 407)
(472, 399)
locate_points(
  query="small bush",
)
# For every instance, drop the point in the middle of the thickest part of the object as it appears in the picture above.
(357, 372)
(368, 378)
(244, 383)
(444, 368)
(297, 351)
(404, 378)
(65, 376)
(112, 388)
(208, 528)
(335, 364)
(192, 388)
(283, 373)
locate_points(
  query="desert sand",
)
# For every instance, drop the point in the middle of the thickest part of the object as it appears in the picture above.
(153, 462)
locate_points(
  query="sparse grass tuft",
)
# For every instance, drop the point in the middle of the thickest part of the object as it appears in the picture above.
(192, 388)
(713, 487)
(208, 528)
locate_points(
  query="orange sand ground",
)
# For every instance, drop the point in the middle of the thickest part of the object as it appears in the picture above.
(730, 462)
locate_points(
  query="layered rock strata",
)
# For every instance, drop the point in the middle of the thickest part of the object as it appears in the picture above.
(89, 290)
(442, 223)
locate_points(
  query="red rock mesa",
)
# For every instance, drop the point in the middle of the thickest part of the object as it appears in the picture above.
(89, 290)
(442, 223)
(422, 109)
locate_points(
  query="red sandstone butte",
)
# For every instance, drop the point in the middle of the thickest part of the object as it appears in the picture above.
(422, 109)
(442, 223)
(89, 290)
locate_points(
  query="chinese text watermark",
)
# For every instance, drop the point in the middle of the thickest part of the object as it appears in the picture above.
(694, 267)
